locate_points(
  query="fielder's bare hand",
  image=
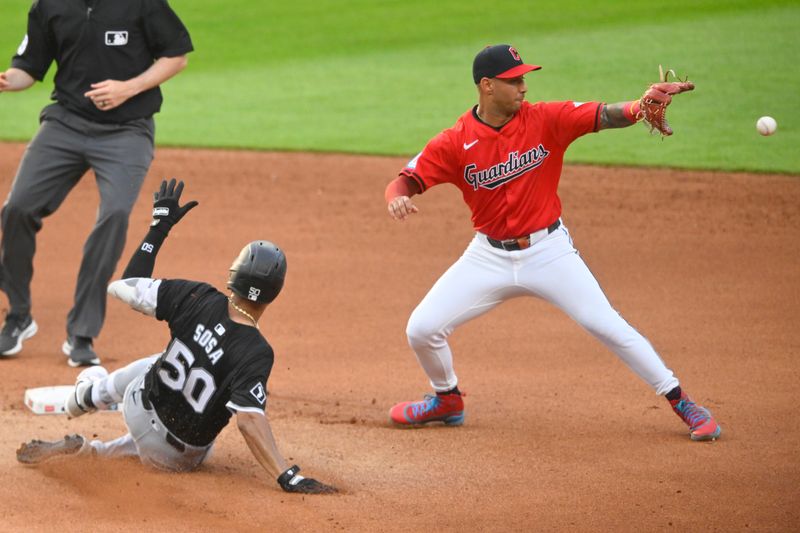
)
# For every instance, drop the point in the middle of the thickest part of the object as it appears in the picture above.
(401, 208)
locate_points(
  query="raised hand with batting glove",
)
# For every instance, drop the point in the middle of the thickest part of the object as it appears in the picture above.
(167, 210)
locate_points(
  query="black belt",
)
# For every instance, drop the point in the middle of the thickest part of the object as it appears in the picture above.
(175, 443)
(521, 243)
(172, 440)
(145, 400)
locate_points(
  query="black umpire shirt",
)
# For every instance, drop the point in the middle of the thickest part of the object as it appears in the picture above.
(97, 40)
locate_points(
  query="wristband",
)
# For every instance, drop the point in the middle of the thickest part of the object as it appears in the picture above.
(633, 110)
(161, 220)
(290, 478)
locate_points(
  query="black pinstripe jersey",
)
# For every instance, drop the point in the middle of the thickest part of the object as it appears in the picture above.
(211, 367)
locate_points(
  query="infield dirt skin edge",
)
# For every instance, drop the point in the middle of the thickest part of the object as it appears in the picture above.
(559, 434)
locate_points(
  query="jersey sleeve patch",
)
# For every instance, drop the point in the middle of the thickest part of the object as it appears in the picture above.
(23, 45)
(413, 163)
(259, 394)
(248, 388)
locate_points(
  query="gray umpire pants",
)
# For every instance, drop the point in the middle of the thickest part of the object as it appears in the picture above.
(63, 150)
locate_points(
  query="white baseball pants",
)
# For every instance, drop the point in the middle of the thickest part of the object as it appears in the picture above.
(551, 269)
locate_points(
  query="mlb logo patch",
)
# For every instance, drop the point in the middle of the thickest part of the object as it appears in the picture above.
(259, 394)
(219, 329)
(116, 38)
(253, 293)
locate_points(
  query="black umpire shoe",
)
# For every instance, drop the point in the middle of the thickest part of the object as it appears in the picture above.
(80, 351)
(15, 330)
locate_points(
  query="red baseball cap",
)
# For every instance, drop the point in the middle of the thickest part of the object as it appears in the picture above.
(499, 61)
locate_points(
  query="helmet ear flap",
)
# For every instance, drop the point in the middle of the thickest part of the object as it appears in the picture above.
(258, 272)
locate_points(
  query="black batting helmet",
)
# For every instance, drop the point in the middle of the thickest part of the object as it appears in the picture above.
(257, 274)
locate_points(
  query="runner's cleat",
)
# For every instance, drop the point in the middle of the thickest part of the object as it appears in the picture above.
(38, 451)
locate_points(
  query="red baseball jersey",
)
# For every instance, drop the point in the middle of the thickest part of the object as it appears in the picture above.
(507, 176)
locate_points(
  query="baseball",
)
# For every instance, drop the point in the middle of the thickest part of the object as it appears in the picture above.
(766, 125)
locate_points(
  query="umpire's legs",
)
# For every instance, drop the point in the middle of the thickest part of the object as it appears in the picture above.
(51, 166)
(120, 159)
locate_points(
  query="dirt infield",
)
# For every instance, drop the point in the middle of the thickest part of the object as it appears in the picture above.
(559, 435)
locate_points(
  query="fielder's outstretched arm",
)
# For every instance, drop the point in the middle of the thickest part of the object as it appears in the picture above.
(651, 107)
(619, 115)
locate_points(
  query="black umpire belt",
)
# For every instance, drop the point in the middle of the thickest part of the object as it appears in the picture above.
(526, 241)
(172, 440)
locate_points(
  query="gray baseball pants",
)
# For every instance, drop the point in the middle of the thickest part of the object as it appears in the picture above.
(63, 150)
(147, 436)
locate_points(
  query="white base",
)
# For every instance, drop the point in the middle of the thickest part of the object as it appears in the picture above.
(51, 400)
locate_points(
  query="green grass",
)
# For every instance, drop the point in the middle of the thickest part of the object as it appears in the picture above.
(384, 76)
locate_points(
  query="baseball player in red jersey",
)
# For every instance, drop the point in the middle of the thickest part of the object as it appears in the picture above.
(506, 155)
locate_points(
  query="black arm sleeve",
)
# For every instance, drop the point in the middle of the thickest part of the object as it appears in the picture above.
(143, 260)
